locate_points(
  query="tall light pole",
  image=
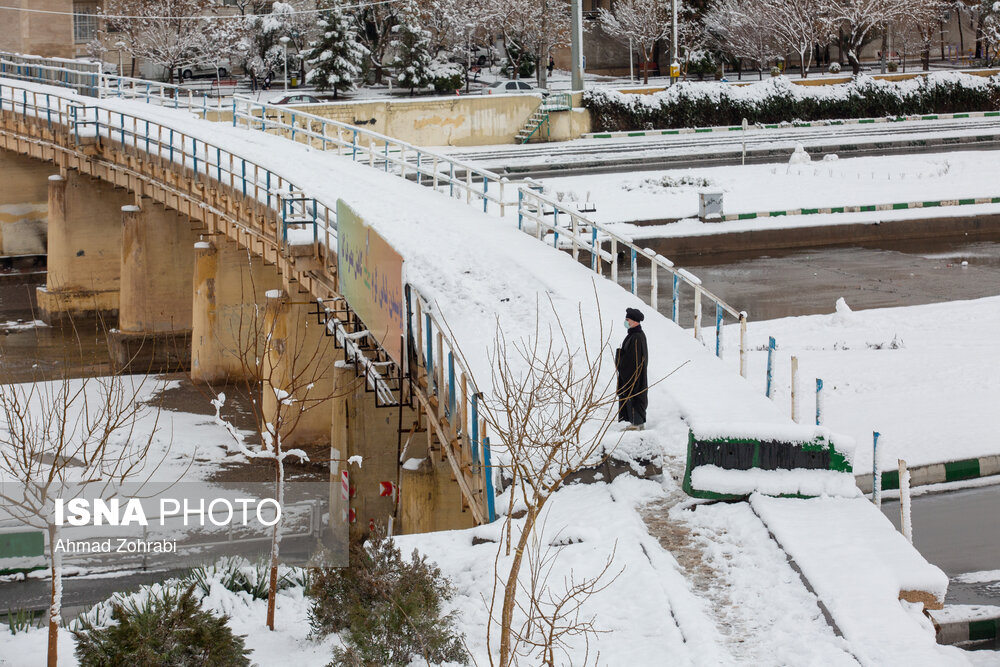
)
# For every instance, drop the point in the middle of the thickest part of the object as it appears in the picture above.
(284, 45)
(120, 45)
(576, 44)
(675, 66)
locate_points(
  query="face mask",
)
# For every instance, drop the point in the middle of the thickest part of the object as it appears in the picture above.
(626, 324)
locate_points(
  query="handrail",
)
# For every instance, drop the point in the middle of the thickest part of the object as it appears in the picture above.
(459, 179)
(90, 80)
(449, 380)
(582, 234)
(295, 211)
(163, 94)
(391, 156)
(82, 76)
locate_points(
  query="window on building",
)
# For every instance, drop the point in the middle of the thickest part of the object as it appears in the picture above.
(84, 22)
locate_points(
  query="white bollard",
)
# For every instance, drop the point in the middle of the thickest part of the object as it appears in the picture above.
(905, 521)
(795, 373)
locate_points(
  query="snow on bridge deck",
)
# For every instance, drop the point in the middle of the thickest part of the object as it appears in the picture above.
(483, 273)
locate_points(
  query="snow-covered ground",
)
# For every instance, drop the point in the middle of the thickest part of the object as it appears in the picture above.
(924, 377)
(673, 194)
(479, 273)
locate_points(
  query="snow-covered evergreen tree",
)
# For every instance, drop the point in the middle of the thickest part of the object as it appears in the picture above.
(337, 56)
(413, 49)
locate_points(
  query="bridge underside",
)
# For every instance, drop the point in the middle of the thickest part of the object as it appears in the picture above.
(194, 277)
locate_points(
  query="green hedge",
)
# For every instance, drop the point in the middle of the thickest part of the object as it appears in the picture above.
(696, 104)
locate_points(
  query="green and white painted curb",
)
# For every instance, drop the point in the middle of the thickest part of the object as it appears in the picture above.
(960, 631)
(729, 217)
(784, 126)
(936, 473)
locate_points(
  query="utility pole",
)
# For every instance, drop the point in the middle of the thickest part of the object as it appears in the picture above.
(576, 46)
(675, 67)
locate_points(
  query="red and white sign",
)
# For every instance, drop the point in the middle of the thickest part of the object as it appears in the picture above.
(345, 487)
(386, 490)
(352, 517)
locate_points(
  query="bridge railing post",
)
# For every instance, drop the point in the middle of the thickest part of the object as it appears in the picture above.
(743, 344)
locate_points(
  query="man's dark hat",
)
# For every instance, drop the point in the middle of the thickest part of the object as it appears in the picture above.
(634, 314)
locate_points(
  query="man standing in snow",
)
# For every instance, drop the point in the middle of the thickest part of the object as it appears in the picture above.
(631, 361)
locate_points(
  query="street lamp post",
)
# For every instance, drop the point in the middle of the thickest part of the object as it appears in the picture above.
(120, 45)
(284, 45)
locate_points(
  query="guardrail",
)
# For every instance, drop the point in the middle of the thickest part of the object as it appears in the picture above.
(80, 75)
(302, 219)
(463, 181)
(458, 179)
(439, 371)
(154, 92)
(88, 78)
(570, 230)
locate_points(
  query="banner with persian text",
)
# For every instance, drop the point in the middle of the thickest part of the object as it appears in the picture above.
(371, 279)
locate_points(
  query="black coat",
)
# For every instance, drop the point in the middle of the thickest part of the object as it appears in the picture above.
(631, 362)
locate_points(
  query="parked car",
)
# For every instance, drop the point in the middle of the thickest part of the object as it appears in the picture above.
(512, 87)
(192, 71)
(297, 98)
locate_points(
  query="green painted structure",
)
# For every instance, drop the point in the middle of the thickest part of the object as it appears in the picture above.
(746, 453)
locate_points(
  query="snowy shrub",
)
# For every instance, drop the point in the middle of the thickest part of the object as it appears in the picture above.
(238, 575)
(165, 628)
(387, 610)
(892, 66)
(775, 71)
(834, 68)
(776, 100)
(446, 77)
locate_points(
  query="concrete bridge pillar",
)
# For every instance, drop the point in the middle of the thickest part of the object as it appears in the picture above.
(84, 248)
(430, 499)
(157, 270)
(300, 363)
(24, 198)
(362, 428)
(227, 320)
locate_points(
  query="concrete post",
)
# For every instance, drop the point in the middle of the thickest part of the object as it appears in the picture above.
(155, 302)
(299, 361)
(228, 310)
(576, 44)
(430, 499)
(23, 205)
(84, 248)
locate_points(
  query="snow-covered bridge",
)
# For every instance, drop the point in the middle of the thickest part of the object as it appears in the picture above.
(254, 207)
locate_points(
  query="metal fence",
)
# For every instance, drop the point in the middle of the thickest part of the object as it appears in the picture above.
(495, 195)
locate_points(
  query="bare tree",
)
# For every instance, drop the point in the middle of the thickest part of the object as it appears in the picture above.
(286, 377)
(640, 23)
(66, 438)
(861, 21)
(799, 25)
(161, 32)
(375, 22)
(550, 407)
(554, 614)
(739, 29)
(530, 30)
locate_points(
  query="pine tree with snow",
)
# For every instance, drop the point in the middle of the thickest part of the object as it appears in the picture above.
(413, 61)
(337, 56)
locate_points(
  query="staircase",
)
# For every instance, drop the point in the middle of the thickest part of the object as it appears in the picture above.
(553, 102)
(534, 122)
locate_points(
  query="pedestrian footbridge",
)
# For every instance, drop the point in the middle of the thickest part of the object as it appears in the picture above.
(182, 218)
